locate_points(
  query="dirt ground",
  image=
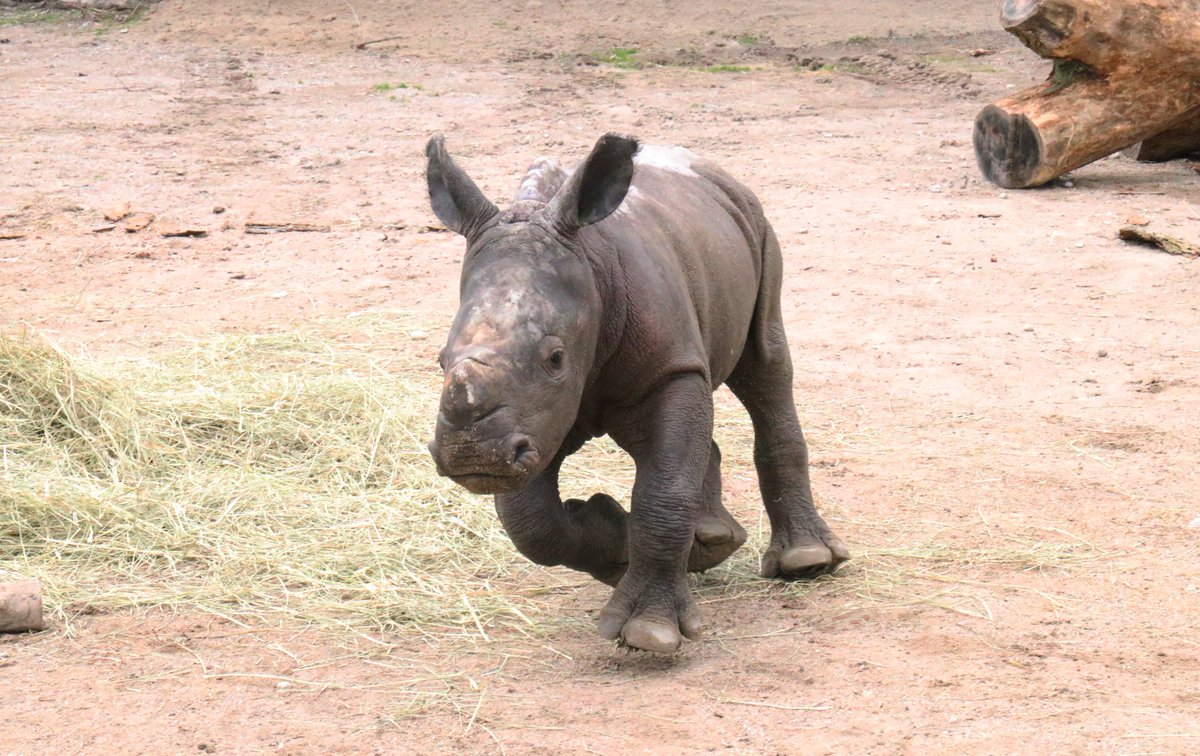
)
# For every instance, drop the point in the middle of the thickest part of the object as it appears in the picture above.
(1002, 397)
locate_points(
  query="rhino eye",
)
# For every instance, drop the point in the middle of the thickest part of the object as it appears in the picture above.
(556, 359)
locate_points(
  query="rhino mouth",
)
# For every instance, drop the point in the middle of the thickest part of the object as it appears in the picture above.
(489, 483)
(495, 466)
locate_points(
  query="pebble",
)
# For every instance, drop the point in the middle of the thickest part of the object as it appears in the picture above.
(1194, 523)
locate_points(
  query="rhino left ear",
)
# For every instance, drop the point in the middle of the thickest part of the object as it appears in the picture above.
(598, 186)
(456, 200)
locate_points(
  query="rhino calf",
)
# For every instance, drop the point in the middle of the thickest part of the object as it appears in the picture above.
(614, 299)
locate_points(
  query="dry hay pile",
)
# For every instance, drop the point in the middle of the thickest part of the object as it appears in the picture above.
(280, 476)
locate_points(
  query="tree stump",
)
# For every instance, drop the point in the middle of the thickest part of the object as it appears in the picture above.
(1125, 71)
(20, 607)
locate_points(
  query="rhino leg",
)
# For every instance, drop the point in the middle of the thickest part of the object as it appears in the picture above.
(586, 536)
(802, 545)
(717, 534)
(669, 437)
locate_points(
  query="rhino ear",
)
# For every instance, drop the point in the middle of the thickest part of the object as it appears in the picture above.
(598, 186)
(456, 200)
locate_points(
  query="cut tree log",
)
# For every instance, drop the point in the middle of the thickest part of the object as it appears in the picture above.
(1125, 71)
(1180, 141)
(21, 607)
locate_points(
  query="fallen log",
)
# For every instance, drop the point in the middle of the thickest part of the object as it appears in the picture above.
(21, 607)
(1124, 72)
(1180, 141)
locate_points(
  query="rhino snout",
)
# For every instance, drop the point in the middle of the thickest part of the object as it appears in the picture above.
(485, 465)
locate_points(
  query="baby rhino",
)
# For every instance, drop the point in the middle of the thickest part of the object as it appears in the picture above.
(613, 299)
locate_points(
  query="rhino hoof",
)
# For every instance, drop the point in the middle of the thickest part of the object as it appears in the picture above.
(716, 539)
(644, 634)
(650, 635)
(804, 560)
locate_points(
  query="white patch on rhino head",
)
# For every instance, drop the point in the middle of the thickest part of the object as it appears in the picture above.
(674, 159)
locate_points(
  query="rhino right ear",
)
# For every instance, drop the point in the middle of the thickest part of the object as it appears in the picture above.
(598, 186)
(456, 200)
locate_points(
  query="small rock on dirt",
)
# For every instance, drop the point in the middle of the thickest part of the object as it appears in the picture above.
(1138, 220)
(138, 222)
(116, 212)
(173, 228)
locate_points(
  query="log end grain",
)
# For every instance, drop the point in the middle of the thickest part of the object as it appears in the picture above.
(1007, 147)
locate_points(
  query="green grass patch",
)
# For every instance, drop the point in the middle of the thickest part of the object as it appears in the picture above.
(621, 57)
(725, 68)
(31, 16)
(389, 87)
(96, 21)
(107, 22)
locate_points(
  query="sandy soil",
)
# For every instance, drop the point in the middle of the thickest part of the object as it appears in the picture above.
(1002, 397)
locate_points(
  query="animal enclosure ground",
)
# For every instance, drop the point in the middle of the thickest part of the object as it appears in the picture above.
(1001, 396)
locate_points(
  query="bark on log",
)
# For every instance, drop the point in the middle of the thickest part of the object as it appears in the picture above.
(1125, 71)
(20, 607)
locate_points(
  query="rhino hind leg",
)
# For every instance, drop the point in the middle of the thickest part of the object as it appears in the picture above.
(718, 534)
(802, 544)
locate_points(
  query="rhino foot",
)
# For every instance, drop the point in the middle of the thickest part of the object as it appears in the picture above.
(606, 555)
(716, 538)
(804, 556)
(650, 615)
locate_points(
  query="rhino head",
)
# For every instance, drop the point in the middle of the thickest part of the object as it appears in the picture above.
(523, 344)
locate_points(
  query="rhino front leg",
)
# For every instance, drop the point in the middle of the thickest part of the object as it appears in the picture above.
(669, 437)
(802, 545)
(586, 536)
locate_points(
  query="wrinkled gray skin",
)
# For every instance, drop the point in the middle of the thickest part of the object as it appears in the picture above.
(614, 300)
